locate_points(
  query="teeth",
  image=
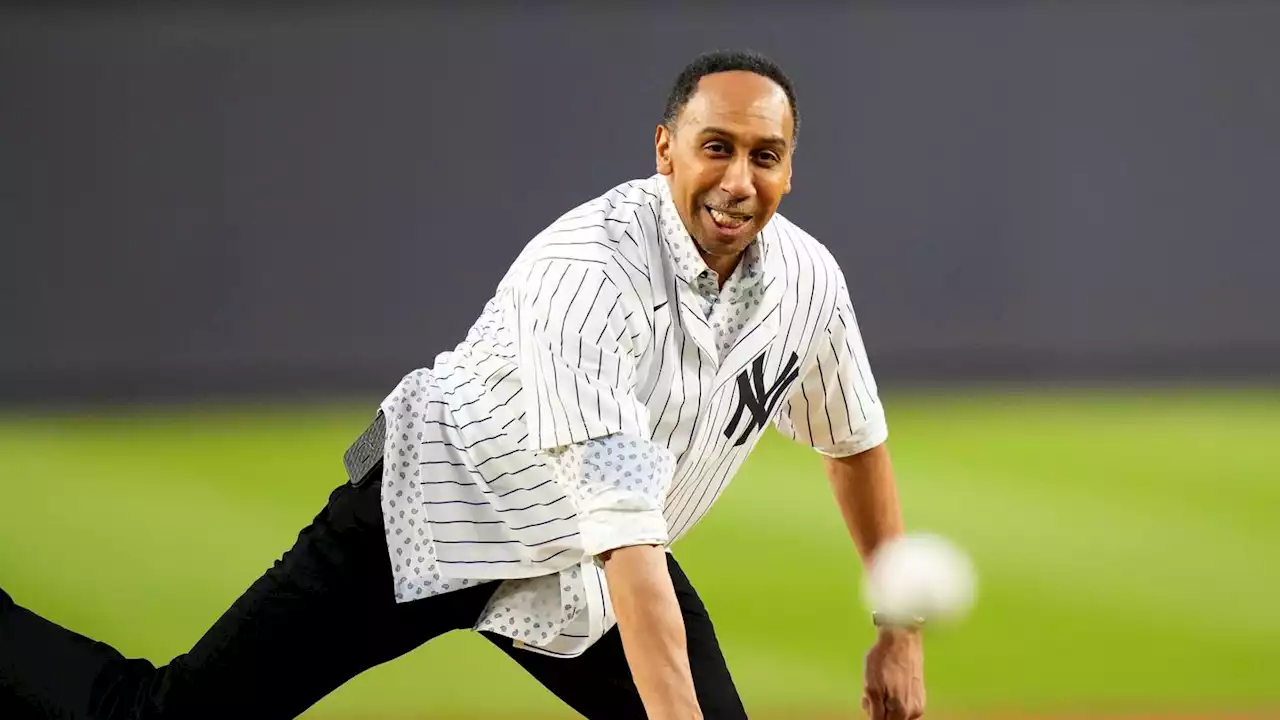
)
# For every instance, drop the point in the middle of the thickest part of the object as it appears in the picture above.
(729, 221)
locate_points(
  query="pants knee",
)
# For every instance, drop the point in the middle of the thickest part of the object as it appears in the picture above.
(126, 689)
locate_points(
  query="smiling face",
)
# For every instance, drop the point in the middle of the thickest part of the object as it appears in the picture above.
(728, 161)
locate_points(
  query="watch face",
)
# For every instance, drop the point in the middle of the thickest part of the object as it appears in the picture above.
(879, 620)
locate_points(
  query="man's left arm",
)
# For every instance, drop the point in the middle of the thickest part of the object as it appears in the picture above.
(836, 409)
(865, 490)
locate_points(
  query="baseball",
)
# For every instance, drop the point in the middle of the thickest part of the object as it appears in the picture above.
(920, 577)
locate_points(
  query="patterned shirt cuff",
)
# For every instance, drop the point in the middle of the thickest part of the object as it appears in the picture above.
(618, 484)
(606, 529)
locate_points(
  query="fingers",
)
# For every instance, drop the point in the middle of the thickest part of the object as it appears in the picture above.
(916, 708)
(895, 708)
(873, 704)
(883, 705)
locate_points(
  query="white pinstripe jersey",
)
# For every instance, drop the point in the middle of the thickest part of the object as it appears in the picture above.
(607, 326)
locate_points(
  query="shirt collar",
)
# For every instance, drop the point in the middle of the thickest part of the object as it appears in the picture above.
(689, 265)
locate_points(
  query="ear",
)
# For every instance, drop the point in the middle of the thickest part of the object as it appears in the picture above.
(662, 149)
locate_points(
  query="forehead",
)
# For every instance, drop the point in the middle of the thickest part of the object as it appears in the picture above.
(741, 101)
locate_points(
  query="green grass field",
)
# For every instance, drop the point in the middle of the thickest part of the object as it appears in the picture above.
(1128, 545)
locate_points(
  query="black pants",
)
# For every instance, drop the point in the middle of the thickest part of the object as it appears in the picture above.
(320, 615)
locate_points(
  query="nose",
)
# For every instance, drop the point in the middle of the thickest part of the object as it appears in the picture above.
(737, 180)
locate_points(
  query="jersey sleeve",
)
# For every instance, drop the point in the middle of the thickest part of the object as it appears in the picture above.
(835, 408)
(578, 351)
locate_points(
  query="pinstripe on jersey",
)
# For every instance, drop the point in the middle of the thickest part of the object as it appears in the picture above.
(598, 330)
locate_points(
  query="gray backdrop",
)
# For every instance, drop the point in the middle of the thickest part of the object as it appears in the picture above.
(222, 200)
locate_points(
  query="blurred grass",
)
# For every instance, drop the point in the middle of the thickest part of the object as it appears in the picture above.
(1128, 544)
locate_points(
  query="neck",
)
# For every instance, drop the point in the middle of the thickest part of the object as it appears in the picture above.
(724, 265)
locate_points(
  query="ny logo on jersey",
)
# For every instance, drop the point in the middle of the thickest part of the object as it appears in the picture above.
(753, 396)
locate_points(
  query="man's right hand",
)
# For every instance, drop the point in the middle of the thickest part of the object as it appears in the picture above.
(652, 628)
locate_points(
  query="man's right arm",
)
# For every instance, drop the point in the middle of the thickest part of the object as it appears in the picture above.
(652, 629)
(579, 355)
(618, 483)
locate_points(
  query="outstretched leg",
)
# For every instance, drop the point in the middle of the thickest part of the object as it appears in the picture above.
(322, 614)
(47, 670)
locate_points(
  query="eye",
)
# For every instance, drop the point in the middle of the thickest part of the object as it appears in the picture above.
(768, 158)
(717, 147)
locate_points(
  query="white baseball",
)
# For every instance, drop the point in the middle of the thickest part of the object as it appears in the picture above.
(918, 577)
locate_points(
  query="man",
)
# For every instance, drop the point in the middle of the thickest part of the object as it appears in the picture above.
(528, 484)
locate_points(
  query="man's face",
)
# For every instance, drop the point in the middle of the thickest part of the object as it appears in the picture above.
(729, 159)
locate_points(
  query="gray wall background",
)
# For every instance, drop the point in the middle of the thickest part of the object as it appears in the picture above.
(317, 199)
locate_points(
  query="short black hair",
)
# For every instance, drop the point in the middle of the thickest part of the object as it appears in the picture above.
(727, 61)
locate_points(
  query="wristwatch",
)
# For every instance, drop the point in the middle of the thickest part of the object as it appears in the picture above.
(880, 621)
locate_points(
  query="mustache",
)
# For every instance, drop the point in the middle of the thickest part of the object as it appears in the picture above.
(730, 208)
